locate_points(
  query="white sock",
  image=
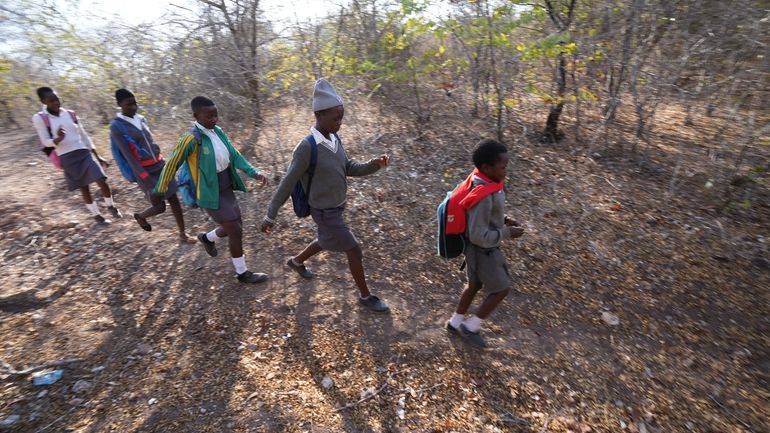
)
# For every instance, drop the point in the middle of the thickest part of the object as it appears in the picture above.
(295, 263)
(93, 208)
(240, 264)
(456, 320)
(108, 201)
(212, 235)
(472, 323)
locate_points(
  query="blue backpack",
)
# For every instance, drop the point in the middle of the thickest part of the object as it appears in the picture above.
(184, 178)
(299, 197)
(138, 152)
(448, 245)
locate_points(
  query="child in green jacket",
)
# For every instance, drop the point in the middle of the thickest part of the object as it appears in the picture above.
(213, 162)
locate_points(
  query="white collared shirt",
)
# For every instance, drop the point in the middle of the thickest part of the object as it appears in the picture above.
(75, 138)
(320, 139)
(221, 154)
(137, 120)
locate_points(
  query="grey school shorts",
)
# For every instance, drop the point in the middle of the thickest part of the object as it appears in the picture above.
(333, 233)
(486, 266)
(229, 210)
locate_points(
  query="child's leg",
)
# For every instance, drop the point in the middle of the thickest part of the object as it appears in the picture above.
(467, 297)
(356, 263)
(158, 206)
(86, 193)
(490, 303)
(106, 192)
(312, 249)
(176, 209)
(234, 232)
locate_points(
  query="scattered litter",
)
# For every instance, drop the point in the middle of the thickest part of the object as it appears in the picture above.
(47, 377)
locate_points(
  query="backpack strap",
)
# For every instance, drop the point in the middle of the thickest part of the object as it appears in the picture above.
(196, 134)
(46, 121)
(73, 116)
(313, 160)
(119, 125)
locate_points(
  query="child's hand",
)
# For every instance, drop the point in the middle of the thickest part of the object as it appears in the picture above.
(510, 222)
(60, 134)
(516, 232)
(103, 161)
(266, 227)
(382, 161)
(261, 179)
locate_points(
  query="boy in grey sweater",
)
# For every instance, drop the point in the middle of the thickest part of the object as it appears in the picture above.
(327, 190)
(486, 228)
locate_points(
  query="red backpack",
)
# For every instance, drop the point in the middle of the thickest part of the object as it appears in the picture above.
(451, 213)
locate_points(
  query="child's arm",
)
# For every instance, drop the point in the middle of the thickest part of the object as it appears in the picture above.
(478, 229)
(90, 144)
(125, 150)
(180, 153)
(353, 168)
(42, 133)
(241, 163)
(299, 164)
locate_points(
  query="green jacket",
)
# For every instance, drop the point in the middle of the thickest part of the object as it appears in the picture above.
(203, 167)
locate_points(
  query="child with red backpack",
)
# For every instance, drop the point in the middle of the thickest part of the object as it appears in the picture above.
(480, 201)
(69, 148)
(139, 156)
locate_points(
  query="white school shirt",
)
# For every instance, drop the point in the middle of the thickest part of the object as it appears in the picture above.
(320, 139)
(137, 120)
(75, 138)
(221, 154)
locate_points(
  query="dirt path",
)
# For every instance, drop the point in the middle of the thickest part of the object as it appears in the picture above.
(170, 342)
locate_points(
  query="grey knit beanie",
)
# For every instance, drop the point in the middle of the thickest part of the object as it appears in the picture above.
(324, 96)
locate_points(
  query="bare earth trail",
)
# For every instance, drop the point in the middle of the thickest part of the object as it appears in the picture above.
(170, 342)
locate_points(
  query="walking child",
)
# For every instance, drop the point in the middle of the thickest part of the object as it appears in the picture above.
(60, 132)
(487, 227)
(131, 133)
(327, 191)
(213, 161)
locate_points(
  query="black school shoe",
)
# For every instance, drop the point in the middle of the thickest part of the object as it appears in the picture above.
(374, 303)
(451, 328)
(102, 220)
(473, 338)
(252, 278)
(115, 212)
(210, 247)
(303, 271)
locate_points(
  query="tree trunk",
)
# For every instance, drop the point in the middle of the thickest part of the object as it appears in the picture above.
(551, 132)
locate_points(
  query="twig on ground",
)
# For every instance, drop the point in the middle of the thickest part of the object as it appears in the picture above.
(421, 390)
(509, 418)
(381, 388)
(729, 412)
(9, 370)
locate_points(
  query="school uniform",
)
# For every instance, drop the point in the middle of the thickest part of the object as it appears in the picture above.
(485, 231)
(213, 162)
(328, 190)
(77, 161)
(147, 163)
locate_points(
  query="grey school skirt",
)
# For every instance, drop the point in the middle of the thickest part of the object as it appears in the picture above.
(147, 185)
(486, 266)
(228, 205)
(333, 233)
(80, 169)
